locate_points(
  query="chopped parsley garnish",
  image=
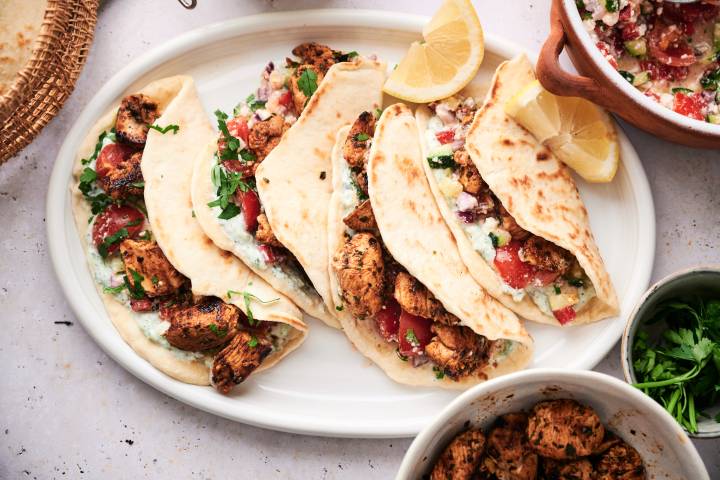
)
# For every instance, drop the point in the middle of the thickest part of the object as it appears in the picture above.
(307, 83)
(167, 128)
(247, 298)
(411, 338)
(361, 137)
(98, 201)
(681, 369)
(362, 196)
(494, 239)
(612, 5)
(247, 156)
(116, 237)
(556, 289)
(576, 282)
(145, 235)
(220, 332)
(442, 161)
(232, 150)
(627, 75)
(439, 372)
(681, 90)
(339, 308)
(135, 287)
(344, 57)
(252, 103)
(227, 184)
(98, 146)
(711, 79)
(115, 290)
(253, 342)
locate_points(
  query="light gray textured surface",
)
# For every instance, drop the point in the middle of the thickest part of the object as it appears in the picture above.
(68, 411)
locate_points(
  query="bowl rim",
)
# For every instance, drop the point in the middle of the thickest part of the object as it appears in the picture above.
(425, 437)
(633, 319)
(687, 123)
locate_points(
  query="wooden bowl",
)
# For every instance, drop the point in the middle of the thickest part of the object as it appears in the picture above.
(601, 84)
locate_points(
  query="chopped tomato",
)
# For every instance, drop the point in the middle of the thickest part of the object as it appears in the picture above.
(630, 31)
(514, 271)
(269, 254)
(669, 46)
(113, 219)
(239, 166)
(286, 99)
(110, 156)
(446, 136)
(659, 71)
(142, 305)
(689, 12)
(652, 95)
(414, 333)
(388, 320)
(625, 14)
(605, 50)
(238, 128)
(544, 277)
(250, 205)
(691, 105)
(565, 315)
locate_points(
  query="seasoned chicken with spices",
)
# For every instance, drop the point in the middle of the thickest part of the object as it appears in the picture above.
(461, 457)
(145, 257)
(362, 218)
(265, 135)
(315, 54)
(118, 171)
(620, 462)
(546, 255)
(414, 298)
(508, 222)
(135, 115)
(457, 350)
(359, 139)
(564, 429)
(238, 360)
(299, 93)
(264, 233)
(508, 455)
(580, 469)
(207, 324)
(360, 272)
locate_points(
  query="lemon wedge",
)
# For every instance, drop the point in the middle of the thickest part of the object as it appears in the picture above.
(578, 132)
(445, 61)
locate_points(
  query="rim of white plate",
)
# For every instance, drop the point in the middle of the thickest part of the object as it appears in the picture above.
(60, 235)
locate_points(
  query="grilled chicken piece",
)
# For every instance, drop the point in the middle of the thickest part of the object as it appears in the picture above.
(264, 233)
(466, 114)
(265, 135)
(580, 469)
(508, 222)
(546, 255)
(414, 298)
(620, 462)
(119, 175)
(461, 457)
(361, 180)
(564, 429)
(360, 272)
(316, 54)
(458, 350)
(134, 117)
(508, 455)
(299, 97)
(205, 325)
(238, 360)
(357, 144)
(144, 257)
(362, 218)
(470, 179)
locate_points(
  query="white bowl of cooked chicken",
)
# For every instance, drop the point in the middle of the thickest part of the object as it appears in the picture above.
(553, 424)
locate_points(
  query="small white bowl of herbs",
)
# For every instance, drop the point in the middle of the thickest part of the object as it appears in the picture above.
(671, 348)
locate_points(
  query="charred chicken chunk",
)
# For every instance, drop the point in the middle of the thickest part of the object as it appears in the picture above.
(470, 179)
(118, 171)
(298, 95)
(265, 135)
(466, 114)
(135, 115)
(357, 144)
(508, 222)
(574, 470)
(360, 271)
(264, 233)
(208, 324)
(546, 255)
(508, 455)
(238, 360)
(145, 258)
(458, 350)
(315, 54)
(361, 180)
(460, 459)
(564, 429)
(414, 298)
(362, 218)
(620, 462)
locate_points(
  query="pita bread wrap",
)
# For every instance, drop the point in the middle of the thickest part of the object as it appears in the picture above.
(534, 187)
(294, 181)
(167, 167)
(416, 236)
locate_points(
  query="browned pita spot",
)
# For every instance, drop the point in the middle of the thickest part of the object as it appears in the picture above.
(538, 209)
(407, 168)
(207, 241)
(304, 215)
(553, 175)
(507, 142)
(543, 155)
(541, 194)
(337, 114)
(521, 182)
(310, 106)
(573, 235)
(411, 205)
(319, 153)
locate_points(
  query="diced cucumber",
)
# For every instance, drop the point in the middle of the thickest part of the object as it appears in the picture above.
(715, 119)
(503, 237)
(441, 151)
(637, 47)
(641, 78)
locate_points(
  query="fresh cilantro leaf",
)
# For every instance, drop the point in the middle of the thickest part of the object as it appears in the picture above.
(230, 211)
(378, 112)
(111, 240)
(164, 130)
(442, 161)
(344, 57)
(339, 308)
(115, 290)
(253, 342)
(247, 156)
(439, 372)
(307, 83)
(135, 287)
(576, 282)
(361, 195)
(361, 137)
(219, 332)
(612, 5)
(411, 337)
(247, 298)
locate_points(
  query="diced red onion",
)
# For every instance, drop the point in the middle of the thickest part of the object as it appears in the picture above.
(467, 217)
(270, 67)
(466, 202)
(445, 114)
(458, 144)
(263, 92)
(418, 360)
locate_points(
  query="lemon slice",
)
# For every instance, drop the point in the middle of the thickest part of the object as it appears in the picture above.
(445, 61)
(578, 132)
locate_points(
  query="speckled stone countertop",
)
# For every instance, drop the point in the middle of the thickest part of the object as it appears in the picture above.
(68, 411)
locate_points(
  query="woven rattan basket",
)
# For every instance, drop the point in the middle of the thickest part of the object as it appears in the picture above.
(47, 80)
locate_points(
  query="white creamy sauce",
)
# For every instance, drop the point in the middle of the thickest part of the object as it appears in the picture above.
(348, 197)
(280, 335)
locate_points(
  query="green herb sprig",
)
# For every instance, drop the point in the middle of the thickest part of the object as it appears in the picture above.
(681, 370)
(248, 298)
(307, 82)
(164, 130)
(227, 183)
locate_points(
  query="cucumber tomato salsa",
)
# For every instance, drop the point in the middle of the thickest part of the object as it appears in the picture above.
(525, 263)
(669, 51)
